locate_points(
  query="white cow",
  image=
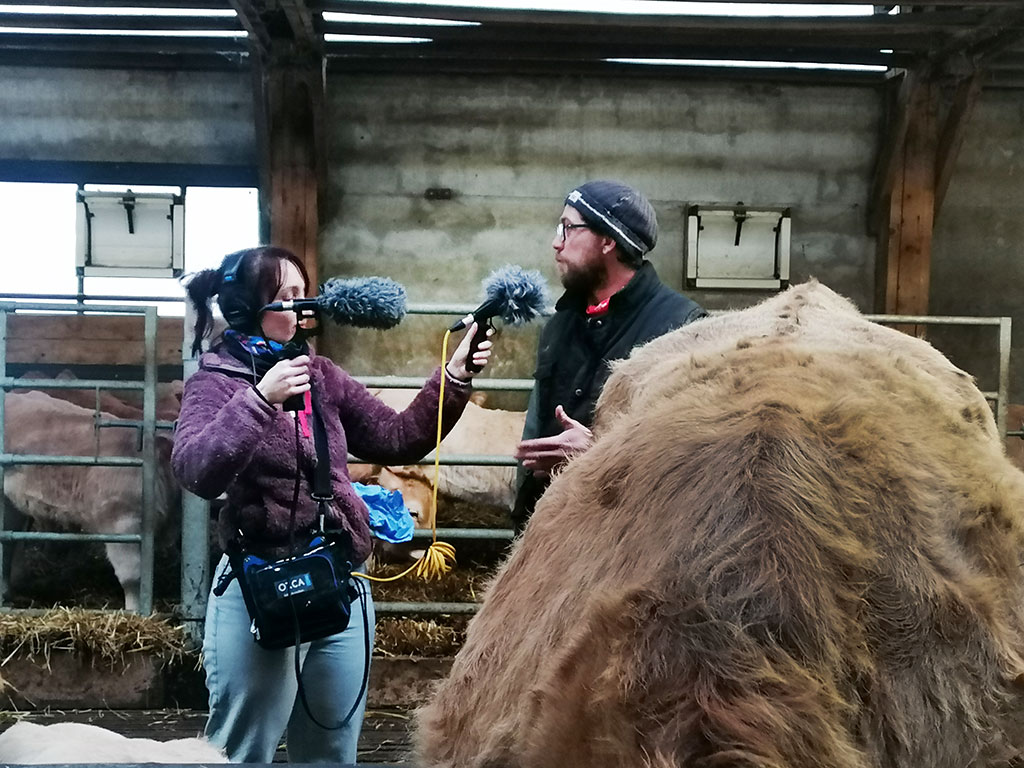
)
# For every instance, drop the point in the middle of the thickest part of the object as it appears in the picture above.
(94, 499)
(26, 743)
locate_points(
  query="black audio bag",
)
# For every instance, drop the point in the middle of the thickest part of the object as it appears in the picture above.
(307, 595)
(299, 598)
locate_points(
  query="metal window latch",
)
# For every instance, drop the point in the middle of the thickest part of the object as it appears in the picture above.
(128, 201)
(739, 216)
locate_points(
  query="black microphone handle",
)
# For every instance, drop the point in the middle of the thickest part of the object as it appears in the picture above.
(295, 402)
(482, 326)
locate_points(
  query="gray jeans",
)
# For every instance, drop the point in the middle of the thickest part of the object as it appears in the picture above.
(253, 691)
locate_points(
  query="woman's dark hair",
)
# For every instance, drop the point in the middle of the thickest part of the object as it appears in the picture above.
(256, 279)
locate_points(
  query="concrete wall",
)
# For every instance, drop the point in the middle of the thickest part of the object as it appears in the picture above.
(52, 114)
(978, 250)
(510, 148)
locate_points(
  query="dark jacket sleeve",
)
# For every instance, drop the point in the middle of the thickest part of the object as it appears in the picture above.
(219, 428)
(381, 435)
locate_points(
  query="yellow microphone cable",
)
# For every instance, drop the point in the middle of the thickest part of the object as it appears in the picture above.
(440, 555)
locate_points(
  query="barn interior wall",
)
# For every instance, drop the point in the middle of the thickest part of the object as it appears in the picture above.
(509, 148)
(116, 116)
(978, 247)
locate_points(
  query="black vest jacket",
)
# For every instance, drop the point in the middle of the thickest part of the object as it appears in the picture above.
(575, 351)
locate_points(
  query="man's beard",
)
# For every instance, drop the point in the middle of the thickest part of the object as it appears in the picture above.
(584, 280)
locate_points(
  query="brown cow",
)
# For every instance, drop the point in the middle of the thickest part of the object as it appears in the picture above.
(94, 499)
(484, 431)
(795, 542)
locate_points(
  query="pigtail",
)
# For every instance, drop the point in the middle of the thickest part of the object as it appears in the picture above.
(201, 287)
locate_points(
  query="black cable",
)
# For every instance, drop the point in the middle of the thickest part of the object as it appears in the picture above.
(366, 670)
(301, 690)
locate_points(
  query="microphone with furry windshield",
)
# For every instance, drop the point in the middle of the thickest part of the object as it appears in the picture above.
(515, 295)
(365, 302)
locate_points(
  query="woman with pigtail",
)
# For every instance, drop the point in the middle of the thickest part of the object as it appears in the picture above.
(234, 437)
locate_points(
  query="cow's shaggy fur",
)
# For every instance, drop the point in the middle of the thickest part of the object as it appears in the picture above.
(796, 542)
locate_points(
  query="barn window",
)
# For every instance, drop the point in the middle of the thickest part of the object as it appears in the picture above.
(737, 246)
(38, 239)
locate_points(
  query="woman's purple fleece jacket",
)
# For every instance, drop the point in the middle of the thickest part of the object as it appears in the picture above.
(230, 439)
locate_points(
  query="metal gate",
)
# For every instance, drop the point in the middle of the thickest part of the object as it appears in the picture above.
(147, 459)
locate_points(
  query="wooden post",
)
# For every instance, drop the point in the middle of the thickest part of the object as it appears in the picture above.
(904, 244)
(293, 98)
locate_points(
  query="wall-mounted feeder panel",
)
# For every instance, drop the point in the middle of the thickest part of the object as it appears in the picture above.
(737, 246)
(130, 234)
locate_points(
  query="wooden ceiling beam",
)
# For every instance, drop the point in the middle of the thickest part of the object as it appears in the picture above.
(954, 130)
(303, 25)
(279, 22)
(101, 58)
(592, 67)
(59, 21)
(252, 22)
(952, 19)
(201, 4)
(123, 44)
(523, 53)
(481, 14)
(923, 37)
(997, 30)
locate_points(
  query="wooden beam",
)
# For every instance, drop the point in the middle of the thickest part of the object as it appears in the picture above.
(89, 340)
(251, 21)
(946, 19)
(413, 65)
(291, 89)
(908, 236)
(994, 32)
(954, 130)
(890, 153)
(304, 26)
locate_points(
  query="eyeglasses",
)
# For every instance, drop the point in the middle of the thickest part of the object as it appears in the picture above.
(562, 229)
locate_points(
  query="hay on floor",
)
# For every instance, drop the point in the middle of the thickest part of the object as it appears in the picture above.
(460, 585)
(442, 636)
(110, 637)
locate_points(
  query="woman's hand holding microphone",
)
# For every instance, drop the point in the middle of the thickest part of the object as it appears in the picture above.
(481, 355)
(285, 379)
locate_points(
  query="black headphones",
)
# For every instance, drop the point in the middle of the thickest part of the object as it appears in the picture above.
(238, 311)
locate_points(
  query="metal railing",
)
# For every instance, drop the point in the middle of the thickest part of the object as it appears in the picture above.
(195, 577)
(147, 459)
(1000, 397)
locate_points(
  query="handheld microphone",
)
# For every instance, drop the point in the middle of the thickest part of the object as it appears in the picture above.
(512, 293)
(364, 302)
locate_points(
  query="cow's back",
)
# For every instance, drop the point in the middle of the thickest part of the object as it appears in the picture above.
(787, 550)
(35, 423)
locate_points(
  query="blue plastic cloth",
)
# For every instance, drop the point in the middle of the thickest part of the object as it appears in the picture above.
(389, 519)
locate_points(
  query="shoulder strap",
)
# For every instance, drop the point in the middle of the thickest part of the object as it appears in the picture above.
(322, 473)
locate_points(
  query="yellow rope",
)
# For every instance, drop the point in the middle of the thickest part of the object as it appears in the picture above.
(440, 556)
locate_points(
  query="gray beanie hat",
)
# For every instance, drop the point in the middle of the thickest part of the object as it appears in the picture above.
(619, 211)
